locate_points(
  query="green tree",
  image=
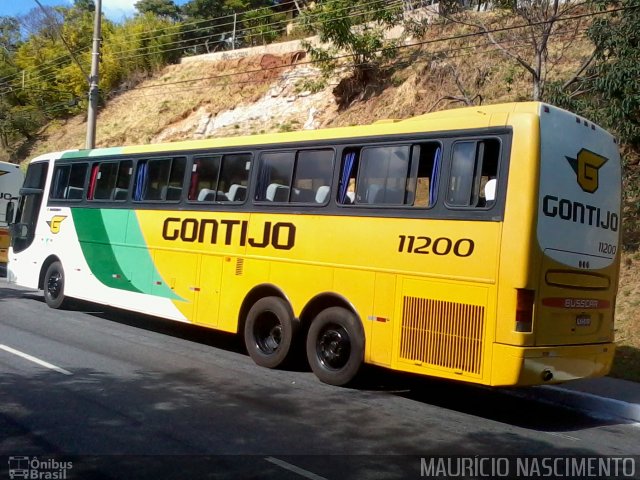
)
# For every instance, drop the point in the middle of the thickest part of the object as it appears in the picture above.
(200, 35)
(615, 75)
(262, 26)
(141, 45)
(210, 24)
(9, 34)
(53, 75)
(86, 5)
(166, 9)
(356, 29)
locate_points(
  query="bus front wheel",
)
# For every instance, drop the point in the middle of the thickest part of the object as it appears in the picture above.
(54, 286)
(269, 332)
(335, 346)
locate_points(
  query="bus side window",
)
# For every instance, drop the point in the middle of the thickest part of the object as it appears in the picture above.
(474, 165)
(234, 177)
(399, 175)
(382, 175)
(111, 181)
(123, 180)
(422, 182)
(312, 176)
(204, 178)
(160, 179)
(274, 176)
(68, 181)
(220, 178)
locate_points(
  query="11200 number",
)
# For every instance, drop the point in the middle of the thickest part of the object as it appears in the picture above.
(439, 246)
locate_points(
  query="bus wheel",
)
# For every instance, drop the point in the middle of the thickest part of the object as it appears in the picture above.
(335, 346)
(269, 332)
(54, 286)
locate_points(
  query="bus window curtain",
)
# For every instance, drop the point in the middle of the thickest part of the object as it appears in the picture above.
(92, 183)
(263, 181)
(141, 182)
(349, 160)
(193, 188)
(435, 173)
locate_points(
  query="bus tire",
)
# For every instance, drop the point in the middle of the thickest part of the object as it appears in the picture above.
(269, 332)
(335, 346)
(54, 286)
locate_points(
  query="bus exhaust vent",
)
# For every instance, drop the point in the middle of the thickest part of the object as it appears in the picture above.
(239, 266)
(443, 334)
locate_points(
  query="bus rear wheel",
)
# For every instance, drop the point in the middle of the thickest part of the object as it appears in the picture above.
(269, 332)
(54, 286)
(335, 346)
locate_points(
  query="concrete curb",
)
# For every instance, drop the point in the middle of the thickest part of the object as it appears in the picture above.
(596, 405)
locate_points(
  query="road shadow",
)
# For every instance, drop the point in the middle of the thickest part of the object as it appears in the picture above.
(180, 424)
(517, 407)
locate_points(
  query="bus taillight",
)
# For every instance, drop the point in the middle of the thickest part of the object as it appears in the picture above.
(524, 310)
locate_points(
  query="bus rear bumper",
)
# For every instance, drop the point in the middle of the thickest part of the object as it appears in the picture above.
(548, 365)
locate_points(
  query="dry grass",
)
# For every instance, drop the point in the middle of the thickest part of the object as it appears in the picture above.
(141, 115)
(627, 361)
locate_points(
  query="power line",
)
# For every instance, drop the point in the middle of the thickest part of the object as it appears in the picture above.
(58, 60)
(401, 47)
(415, 44)
(398, 63)
(163, 49)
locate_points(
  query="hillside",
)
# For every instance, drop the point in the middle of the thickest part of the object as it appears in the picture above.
(282, 92)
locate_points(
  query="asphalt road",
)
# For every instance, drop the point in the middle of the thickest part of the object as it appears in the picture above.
(129, 396)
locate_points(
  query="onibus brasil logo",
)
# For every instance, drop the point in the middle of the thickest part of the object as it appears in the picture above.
(35, 468)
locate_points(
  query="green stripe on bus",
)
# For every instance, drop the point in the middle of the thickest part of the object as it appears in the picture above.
(97, 152)
(115, 250)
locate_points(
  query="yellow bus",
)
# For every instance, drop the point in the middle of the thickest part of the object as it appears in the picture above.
(479, 244)
(10, 182)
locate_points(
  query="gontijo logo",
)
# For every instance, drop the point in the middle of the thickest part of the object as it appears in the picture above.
(54, 223)
(586, 166)
(3, 172)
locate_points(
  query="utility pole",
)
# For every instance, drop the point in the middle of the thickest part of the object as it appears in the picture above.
(93, 78)
(233, 36)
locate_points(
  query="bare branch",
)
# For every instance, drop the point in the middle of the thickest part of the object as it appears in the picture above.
(584, 66)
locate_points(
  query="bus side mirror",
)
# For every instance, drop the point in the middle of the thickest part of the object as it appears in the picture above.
(10, 212)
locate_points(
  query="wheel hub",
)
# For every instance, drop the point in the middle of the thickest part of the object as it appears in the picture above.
(334, 347)
(53, 285)
(269, 335)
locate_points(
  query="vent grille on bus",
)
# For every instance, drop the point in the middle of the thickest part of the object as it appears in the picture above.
(239, 266)
(444, 334)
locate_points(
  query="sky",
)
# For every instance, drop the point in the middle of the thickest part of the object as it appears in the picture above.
(115, 10)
